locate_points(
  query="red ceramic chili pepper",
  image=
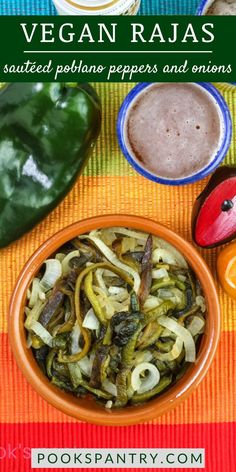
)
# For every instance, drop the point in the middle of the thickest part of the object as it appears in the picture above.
(214, 212)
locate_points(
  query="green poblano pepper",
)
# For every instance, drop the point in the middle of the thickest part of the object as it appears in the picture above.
(46, 134)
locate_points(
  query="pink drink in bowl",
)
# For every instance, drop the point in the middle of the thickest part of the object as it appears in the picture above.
(174, 133)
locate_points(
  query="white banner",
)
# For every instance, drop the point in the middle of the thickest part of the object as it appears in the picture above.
(118, 458)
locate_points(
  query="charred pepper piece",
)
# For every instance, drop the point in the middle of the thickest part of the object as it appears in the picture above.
(146, 271)
(122, 388)
(150, 334)
(88, 288)
(162, 309)
(54, 303)
(79, 319)
(124, 325)
(162, 385)
(100, 364)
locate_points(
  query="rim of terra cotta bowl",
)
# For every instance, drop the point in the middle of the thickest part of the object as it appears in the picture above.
(87, 409)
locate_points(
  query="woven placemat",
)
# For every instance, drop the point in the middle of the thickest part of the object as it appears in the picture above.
(109, 185)
(148, 7)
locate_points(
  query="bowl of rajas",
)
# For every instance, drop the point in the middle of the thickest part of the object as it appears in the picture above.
(115, 320)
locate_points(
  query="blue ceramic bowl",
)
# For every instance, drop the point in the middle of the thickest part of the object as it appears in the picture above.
(227, 123)
(203, 6)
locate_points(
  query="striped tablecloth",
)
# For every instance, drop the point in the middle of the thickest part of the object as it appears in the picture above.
(207, 418)
(148, 7)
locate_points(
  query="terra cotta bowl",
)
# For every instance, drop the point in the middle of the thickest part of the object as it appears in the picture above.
(87, 409)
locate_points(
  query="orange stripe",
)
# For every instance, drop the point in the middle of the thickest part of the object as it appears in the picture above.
(100, 195)
(212, 401)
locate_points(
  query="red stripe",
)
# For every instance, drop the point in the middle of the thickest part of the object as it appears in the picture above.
(217, 439)
(212, 402)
